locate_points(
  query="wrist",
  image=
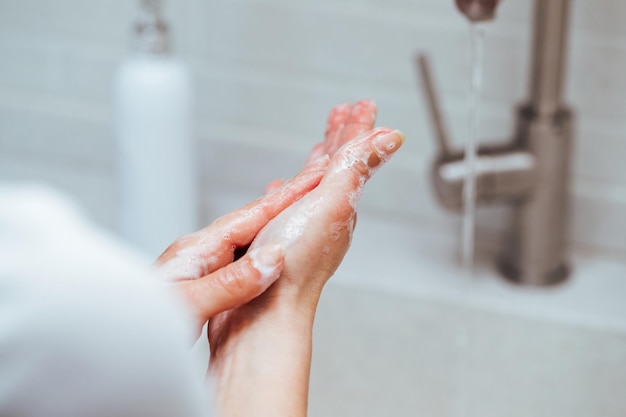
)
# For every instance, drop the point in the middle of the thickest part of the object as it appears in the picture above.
(264, 368)
(274, 315)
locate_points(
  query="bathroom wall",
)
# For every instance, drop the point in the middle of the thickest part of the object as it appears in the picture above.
(268, 71)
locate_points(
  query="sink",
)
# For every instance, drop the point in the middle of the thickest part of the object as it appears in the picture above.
(419, 337)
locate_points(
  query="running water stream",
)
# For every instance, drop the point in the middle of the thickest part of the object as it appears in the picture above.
(476, 53)
(464, 336)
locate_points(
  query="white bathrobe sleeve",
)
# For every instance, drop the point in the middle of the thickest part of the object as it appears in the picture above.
(85, 330)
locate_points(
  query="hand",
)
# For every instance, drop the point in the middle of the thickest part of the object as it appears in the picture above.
(268, 340)
(201, 267)
(317, 230)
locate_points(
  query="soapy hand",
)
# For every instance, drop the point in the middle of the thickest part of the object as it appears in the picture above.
(259, 325)
(201, 265)
(261, 350)
(316, 230)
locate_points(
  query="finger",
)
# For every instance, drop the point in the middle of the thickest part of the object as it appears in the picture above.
(359, 159)
(202, 252)
(193, 256)
(317, 152)
(241, 226)
(273, 185)
(235, 284)
(361, 119)
(336, 122)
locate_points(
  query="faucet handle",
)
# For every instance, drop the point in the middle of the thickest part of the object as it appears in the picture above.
(428, 88)
(503, 172)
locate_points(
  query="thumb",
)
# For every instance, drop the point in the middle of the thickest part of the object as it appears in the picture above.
(235, 284)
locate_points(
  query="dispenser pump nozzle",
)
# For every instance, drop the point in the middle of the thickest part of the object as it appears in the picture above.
(477, 10)
(150, 30)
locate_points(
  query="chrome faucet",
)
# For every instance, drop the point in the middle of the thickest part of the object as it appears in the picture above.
(532, 171)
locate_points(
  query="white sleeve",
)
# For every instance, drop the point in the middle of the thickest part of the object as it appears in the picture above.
(84, 328)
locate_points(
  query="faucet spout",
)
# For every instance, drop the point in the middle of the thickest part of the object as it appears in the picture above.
(477, 10)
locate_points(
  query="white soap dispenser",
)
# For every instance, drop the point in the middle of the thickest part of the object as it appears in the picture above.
(153, 108)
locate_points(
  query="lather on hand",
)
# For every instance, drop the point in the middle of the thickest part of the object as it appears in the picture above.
(261, 307)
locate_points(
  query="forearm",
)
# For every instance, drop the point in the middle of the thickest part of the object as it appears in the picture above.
(265, 370)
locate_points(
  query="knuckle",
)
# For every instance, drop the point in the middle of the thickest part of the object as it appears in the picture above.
(360, 168)
(235, 280)
(179, 243)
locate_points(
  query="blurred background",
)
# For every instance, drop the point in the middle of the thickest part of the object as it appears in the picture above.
(265, 74)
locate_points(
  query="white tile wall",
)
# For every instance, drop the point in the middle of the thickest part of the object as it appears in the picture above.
(267, 72)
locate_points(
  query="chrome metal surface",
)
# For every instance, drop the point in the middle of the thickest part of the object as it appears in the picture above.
(502, 175)
(536, 249)
(532, 171)
(548, 55)
(477, 10)
(433, 106)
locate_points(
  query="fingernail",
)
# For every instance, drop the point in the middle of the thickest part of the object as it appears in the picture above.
(267, 260)
(387, 144)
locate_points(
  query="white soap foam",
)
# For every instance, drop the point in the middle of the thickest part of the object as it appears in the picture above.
(267, 271)
(192, 262)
